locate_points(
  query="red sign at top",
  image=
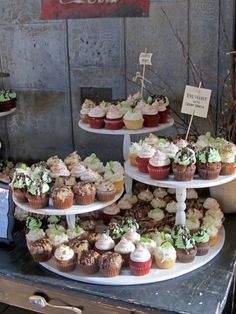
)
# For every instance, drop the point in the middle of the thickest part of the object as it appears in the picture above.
(70, 9)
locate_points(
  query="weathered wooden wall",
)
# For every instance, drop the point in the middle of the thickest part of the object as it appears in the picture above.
(50, 61)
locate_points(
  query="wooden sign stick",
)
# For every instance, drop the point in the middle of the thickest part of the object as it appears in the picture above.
(191, 119)
(143, 75)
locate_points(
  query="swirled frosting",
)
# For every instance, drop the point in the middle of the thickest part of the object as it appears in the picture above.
(133, 115)
(159, 159)
(166, 252)
(132, 235)
(97, 112)
(64, 253)
(114, 113)
(201, 236)
(105, 243)
(147, 151)
(124, 246)
(185, 157)
(156, 214)
(209, 155)
(140, 255)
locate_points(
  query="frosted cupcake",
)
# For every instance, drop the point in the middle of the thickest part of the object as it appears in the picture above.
(133, 152)
(114, 172)
(163, 108)
(72, 159)
(148, 243)
(150, 115)
(90, 176)
(133, 120)
(184, 164)
(140, 261)
(109, 212)
(171, 207)
(165, 255)
(124, 248)
(106, 191)
(160, 192)
(156, 214)
(132, 235)
(96, 118)
(94, 163)
(201, 238)
(59, 169)
(65, 259)
(151, 139)
(209, 163)
(145, 196)
(227, 154)
(104, 244)
(143, 158)
(159, 166)
(78, 170)
(113, 120)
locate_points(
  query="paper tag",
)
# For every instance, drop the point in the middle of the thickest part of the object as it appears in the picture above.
(196, 101)
(145, 58)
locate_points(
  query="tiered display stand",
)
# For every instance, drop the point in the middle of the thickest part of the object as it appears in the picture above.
(155, 275)
(6, 113)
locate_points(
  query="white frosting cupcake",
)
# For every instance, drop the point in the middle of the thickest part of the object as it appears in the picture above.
(160, 192)
(124, 246)
(140, 255)
(145, 196)
(105, 243)
(113, 209)
(156, 214)
(35, 235)
(147, 151)
(64, 253)
(157, 202)
(171, 207)
(148, 244)
(191, 194)
(132, 236)
(165, 254)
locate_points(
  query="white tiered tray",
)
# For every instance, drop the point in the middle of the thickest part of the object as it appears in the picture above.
(124, 131)
(155, 275)
(196, 183)
(75, 209)
(6, 113)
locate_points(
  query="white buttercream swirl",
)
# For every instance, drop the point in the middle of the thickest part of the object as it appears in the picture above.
(159, 159)
(147, 151)
(105, 243)
(140, 255)
(132, 235)
(64, 253)
(124, 246)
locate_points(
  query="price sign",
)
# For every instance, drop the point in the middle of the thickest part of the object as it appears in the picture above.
(6, 214)
(196, 101)
(145, 58)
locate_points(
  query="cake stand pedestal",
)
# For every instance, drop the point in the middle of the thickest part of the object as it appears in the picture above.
(180, 186)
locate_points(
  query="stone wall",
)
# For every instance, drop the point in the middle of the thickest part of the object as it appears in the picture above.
(50, 62)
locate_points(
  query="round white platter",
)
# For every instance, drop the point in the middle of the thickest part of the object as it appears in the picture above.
(75, 209)
(155, 275)
(6, 113)
(196, 183)
(124, 131)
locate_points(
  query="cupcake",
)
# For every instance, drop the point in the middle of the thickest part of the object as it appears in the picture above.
(228, 162)
(145, 196)
(124, 248)
(150, 115)
(7, 100)
(104, 244)
(110, 264)
(143, 158)
(57, 236)
(151, 139)
(19, 184)
(86, 107)
(163, 108)
(132, 235)
(184, 164)
(191, 194)
(140, 261)
(96, 118)
(113, 120)
(65, 259)
(79, 246)
(78, 170)
(37, 194)
(114, 172)
(89, 262)
(159, 166)
(170, 150)
(193, 224)
(62, 197)
(59, 169)
(209, 163)
(84, 193)
(105, 105)
(124, 205)
(165, 255)
(148, 244)
(94, 163)
(76, 232)
(133, 119)
(90, 176)
(53, 160)
(115, 231)
(201, 238)
(160, 193)
(109, 212)
(156, 214)
(212, 232)
(185, 248)
(171, 207)
(72, 159)
(105, 191)
(133, 152)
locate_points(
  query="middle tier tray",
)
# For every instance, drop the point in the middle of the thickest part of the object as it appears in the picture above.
(196, 183)
(75, 209)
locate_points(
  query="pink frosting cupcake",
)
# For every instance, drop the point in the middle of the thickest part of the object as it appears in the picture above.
(150, 115)
(144, 155)
(159, 166)
(113, 120)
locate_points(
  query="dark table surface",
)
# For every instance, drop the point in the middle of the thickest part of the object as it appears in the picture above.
(201, 291)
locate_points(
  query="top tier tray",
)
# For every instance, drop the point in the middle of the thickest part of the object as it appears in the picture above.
(196, 183)
(124, 131)
(75, 209)
(6, 113)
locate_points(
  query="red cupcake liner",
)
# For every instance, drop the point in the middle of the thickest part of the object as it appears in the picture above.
(140, 268)
(115, 124)
(151, 121)
(96, 123)
(159, 173)
(163, 116)
(142, 164)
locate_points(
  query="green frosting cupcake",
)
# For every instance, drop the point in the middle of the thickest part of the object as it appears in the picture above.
(201, 236)
(7, 95)
(208, 155)
(185, 157)
(184, 241)
(178, 230)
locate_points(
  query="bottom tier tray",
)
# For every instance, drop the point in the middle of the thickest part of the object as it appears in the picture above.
(156, 275)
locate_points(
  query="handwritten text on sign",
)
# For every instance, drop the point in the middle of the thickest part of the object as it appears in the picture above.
(145, 58)
(69, 9)
(196, 101)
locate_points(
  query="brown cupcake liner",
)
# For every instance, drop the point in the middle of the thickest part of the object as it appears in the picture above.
(20, 195)
(183, 173)
(63, 204)
(38, 202)
(6, 105)
(111, 271)
(202, 248)
(227, 168)
(66, 266)
(43, 257)
(85, 199)
(186, 256)
(89, 269)
(106, 196)
(209, 171)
